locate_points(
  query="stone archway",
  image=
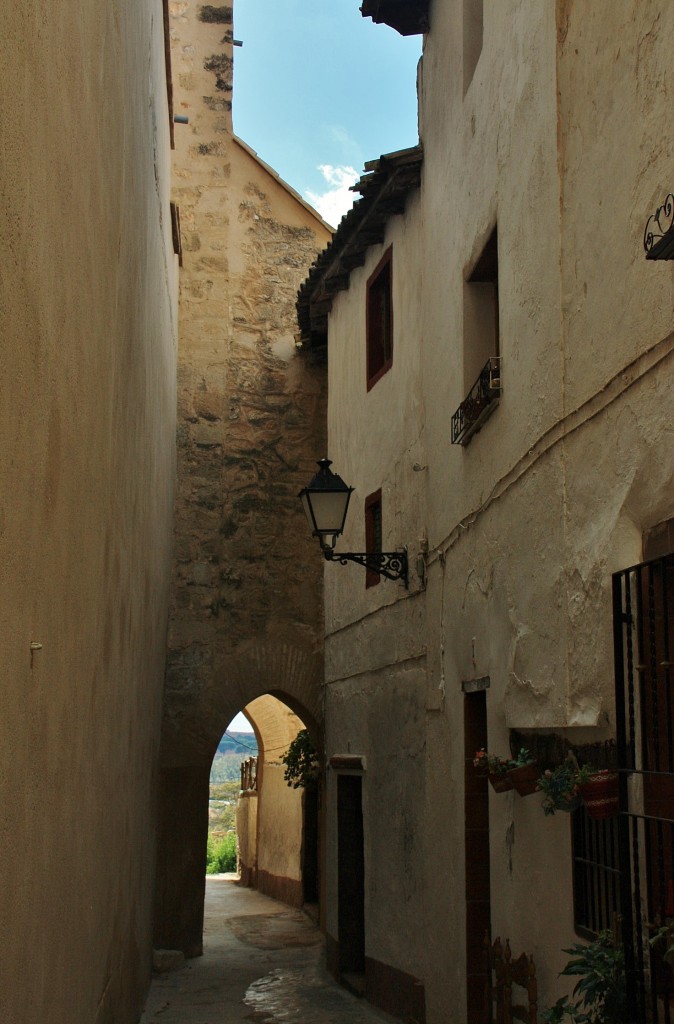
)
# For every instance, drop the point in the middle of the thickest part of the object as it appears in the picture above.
(192, 731)
(277, 823)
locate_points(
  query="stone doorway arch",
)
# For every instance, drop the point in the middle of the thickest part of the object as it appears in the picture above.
(293, 674)
(277, 823)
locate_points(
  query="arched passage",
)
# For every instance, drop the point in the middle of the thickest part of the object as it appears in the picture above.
(191, 735)
(277, 825)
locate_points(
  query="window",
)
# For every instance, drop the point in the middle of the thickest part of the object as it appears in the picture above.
(473, 15)
(596, 875)
(373, 533)
(480, 313)
(481, 347)
(379, 321)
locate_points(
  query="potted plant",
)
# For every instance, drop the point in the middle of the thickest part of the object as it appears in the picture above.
(601, 988)
(524, 773)
(599, 790)
(560, 788)
(495, 768)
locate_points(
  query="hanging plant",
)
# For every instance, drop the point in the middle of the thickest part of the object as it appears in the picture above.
(560, 788)
(524, 773)
(301, 761)
(495, 768)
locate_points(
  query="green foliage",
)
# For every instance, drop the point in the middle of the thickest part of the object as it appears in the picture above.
(559, 787)
(663, 941)
(243, 744)
(301, 761)
(221, 854)
(600, 966)
(523, 758)
(493, 764)
(222, 805)
(227, 767)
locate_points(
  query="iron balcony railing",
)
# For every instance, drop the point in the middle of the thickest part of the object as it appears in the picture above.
(480, 402)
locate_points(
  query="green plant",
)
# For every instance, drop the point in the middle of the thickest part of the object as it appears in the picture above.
(663, 941)
(600, 966)
(559, 787)
(522, 758)
(221, 854)
(301, 761)
(491, 763)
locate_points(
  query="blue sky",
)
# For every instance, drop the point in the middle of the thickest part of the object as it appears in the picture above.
(239, 724)
(316, 85)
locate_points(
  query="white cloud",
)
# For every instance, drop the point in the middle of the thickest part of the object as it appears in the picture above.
(337, 199)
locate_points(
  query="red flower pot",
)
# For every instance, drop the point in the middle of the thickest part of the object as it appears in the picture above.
(600, 794)
(500, 783)
(524, 778)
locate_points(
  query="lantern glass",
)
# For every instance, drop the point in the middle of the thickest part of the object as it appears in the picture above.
(326, 502)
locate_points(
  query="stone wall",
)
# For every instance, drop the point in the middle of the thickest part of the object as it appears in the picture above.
(88, 309)
(246, 600)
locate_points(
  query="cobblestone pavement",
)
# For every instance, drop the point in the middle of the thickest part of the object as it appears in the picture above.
(263, 962)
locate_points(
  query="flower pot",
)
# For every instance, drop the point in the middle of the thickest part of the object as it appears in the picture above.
(524, 778)
(500, 783)
(600, 795)
(572, 804)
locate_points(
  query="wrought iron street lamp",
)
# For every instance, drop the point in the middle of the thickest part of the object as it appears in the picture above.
(326, 502)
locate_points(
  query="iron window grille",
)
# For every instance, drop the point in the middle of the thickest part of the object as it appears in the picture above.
(479, 403)
(596, 873)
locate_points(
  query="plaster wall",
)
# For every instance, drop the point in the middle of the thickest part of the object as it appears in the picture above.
(87, 419)
(556, 138)
(246, 837)
(278, 830)
(375, 645)
(556, 490)
(245, 610)
(280, 833)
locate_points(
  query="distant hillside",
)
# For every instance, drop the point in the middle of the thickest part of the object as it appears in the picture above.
(243, 743)
(232, 750)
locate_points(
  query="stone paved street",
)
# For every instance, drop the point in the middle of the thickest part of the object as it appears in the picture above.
(263, 962)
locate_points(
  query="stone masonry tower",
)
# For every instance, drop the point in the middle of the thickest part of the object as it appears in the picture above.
(246, 606)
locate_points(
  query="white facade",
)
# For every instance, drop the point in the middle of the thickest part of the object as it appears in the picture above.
(558, 138)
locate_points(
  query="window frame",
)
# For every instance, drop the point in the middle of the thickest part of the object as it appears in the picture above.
(378, 337)
(596, 873)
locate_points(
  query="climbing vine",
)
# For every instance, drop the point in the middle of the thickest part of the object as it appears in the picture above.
(301, 761)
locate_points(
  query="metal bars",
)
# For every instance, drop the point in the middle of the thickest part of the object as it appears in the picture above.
(643, 603)
(480, 402)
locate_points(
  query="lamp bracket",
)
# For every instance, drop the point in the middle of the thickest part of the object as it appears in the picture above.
(391, 564)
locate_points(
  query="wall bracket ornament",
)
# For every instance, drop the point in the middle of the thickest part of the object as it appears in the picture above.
(391, 564)
(659, 232)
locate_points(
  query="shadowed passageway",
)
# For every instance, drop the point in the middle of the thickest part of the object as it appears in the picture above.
(263, 962)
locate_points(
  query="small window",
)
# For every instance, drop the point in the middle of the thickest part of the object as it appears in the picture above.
(379, 327)
(373, 533)
(473, 32)
(480, 313)
(596, 874)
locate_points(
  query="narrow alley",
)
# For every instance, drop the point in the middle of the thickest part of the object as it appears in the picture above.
(263, 961)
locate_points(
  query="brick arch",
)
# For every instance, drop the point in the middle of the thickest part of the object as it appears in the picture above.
(193, 728)
(286, 670)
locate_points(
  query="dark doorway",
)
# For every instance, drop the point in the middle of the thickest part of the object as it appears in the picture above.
(351, 875)
(478, 896)
(310, 845)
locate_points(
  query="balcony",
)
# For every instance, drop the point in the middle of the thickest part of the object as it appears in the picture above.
(479, 404)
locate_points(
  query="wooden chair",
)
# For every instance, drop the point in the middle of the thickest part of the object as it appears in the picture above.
(502, 973)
